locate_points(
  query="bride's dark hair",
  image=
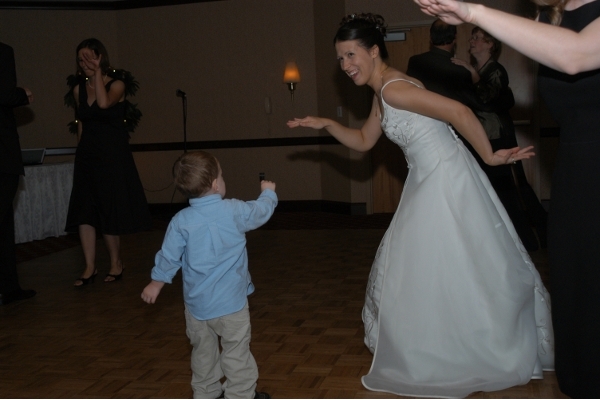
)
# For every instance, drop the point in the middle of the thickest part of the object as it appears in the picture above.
(368, 29)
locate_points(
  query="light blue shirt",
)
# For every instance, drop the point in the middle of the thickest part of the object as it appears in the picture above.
(207, 240)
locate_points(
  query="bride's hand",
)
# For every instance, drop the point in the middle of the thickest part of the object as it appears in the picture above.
(511, 156)
(307, 122)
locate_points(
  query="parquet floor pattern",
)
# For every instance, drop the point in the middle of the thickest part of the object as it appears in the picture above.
(102, 341)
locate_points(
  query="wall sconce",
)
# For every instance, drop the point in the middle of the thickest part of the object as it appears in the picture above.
(291, 76)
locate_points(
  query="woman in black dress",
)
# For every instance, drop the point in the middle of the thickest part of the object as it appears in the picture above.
(510, 182)
(107, 195)
(565, 41)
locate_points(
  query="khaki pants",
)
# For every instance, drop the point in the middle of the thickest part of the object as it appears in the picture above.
(235, 362)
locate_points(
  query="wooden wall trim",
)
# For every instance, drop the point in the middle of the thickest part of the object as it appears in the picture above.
(334, 207)
(214, 144)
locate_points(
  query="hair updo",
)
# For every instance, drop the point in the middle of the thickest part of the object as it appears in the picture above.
(368, 29)
(554, 8)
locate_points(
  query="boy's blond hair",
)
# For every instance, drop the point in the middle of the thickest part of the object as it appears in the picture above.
(194, 173)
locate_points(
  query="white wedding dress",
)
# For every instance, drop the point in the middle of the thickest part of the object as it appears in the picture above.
(454, 304)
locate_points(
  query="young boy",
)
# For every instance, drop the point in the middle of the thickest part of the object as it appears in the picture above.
(207, 241)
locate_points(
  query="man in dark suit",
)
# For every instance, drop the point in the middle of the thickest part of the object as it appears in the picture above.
(11, 167)
(438, 73)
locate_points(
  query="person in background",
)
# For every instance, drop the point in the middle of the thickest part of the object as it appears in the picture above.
(454, 304)
(436, 70)
(11, 167)
(564, 40)
(491, 83)
(207, 241)
(107, 195)
(442, 73)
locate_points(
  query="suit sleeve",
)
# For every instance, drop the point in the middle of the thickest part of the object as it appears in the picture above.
(10, 95)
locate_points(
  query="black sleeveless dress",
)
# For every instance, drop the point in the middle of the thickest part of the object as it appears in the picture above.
(107, 192)
(574, 221)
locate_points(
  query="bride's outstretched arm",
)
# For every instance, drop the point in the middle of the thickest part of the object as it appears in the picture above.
(406, 96)
(556, 47)
(357, 139)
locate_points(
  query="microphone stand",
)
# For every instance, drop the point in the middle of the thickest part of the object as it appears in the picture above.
(184, 106)
(181, 94)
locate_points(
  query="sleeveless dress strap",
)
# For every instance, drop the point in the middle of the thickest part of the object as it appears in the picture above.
(82, 93)
(395, 80)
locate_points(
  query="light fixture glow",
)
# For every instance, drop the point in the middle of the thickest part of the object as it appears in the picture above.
(291, 77)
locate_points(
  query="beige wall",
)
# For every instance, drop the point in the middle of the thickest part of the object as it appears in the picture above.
(44, 44)
(228, 56)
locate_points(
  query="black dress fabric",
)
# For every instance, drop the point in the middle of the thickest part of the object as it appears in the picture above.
(11, 166)
(107, 192)
(509, 181)
(574, 221)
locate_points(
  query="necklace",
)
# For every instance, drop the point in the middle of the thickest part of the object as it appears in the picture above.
(382, 72)
(89, 82)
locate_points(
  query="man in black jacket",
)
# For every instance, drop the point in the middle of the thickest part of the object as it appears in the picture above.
(11, 167)
(438, 73)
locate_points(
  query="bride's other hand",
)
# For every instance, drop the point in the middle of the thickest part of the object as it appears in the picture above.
(511, 156)
(307, 122)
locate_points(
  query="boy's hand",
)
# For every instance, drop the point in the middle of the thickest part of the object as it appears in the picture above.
(267, 185)
(152, 291)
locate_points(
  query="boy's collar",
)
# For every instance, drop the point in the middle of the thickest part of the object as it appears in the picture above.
(207, 198)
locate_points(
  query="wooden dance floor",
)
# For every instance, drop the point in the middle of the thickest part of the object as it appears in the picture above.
(102, 341)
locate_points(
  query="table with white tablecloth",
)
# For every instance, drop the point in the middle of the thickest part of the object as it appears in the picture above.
(42, 201)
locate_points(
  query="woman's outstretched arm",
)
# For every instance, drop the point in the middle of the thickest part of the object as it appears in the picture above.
(555, 47)
(357, 139)
(406, 96)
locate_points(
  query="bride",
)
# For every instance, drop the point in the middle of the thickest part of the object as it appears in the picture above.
(454, 304)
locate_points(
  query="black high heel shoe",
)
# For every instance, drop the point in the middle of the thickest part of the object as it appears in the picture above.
(85, 281)
(115, 277)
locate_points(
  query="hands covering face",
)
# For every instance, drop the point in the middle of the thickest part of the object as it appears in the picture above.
(89, 58)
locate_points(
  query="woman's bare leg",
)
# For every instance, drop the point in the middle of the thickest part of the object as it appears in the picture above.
(113, 244)
(87, 235)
